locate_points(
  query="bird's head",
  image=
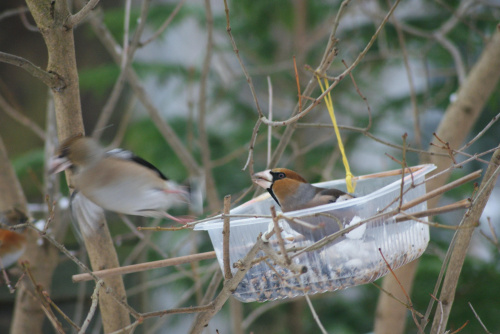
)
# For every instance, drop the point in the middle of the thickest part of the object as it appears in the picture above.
(75, 151)
(279, 182)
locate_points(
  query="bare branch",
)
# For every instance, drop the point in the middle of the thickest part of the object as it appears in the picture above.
(142, 266)
(164, 25)
(77, 18)
(458, 250)
(13, 12)
(52, 80)
(225, 241)
(19, 117)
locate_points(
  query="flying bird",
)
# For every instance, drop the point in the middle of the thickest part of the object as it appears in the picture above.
(118, 180)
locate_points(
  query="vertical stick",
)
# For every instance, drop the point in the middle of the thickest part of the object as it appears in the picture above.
(225, 239)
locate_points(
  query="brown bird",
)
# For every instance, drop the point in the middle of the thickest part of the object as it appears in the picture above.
(117, 180)
(292, 192)
(12, 246)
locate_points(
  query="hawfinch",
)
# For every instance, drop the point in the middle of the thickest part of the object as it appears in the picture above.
(292, 192)
(117, 180)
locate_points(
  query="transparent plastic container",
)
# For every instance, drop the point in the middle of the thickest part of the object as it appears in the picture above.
(352, 259)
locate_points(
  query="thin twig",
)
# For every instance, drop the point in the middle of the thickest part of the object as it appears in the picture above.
(205, 151)
(443, 189)
(410, 304)
(269, 128)
(277, 232)
(315, 315)
(13, 12)
(249, 163)
(369, 125)
(479, 319)
(481, 133)
(164, 25)
(360, 57)
(237, 52)
(93, 307)
(43, 300)
(202, 319)
(463, 204)
(20, 118)
(164, 128)
(413, 94)
(225, 239)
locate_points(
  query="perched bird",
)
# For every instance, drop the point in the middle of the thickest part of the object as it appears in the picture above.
(12, 243)
(12, 246)
(292, 192)
(117, 180)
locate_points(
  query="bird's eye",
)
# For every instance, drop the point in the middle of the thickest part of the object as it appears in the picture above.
(281, 175)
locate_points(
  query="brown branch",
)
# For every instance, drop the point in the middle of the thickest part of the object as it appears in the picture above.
(13, 12)
(73, 20)
(479, 319)
(237, 52)
(205, 151)
(202, 319)
(50, 79)
(277, 232)
(20, 118)
(408, 299)
(164, 128)
(225, 241)
(93, 307)
(127, 56)
(39, 293)
(298, 114)
(442, 189)
(164, 25)
(142, 267)
(463, 204)
(459, 249)
(413, 95)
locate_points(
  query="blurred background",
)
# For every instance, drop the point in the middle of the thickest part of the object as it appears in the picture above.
(408, 77)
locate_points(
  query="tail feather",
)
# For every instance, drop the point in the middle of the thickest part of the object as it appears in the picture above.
(196, 193)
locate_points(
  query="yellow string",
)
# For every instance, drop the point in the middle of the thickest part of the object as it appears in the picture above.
(329, 106)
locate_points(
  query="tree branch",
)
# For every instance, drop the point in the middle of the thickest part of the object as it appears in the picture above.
(52, 80)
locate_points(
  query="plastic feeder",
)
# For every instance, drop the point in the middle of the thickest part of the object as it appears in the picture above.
(352, 259)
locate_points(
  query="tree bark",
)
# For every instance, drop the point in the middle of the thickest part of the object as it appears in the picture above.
(28, 314)
(51, 18)
(458, 120)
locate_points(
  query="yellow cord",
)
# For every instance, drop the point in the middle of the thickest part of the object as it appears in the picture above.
(329, 106)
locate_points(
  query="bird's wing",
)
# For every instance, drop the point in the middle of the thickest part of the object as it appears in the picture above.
(325, 196)
(129, 156)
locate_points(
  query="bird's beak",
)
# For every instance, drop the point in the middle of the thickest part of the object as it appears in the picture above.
(263, 179)
(57, 164)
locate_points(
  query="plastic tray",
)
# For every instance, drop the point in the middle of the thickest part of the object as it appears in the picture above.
(351, 260)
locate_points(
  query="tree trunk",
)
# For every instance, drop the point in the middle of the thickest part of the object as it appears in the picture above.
(456, 124)
(51, 18)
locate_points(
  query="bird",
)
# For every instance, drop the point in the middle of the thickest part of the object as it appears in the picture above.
(12, 246)
(118, 180)
(12, 242)
(292, 192)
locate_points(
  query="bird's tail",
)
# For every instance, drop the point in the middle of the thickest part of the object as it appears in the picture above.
(196, 193)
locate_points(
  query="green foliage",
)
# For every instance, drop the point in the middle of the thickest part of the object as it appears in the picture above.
(99, 80)
(474, 287)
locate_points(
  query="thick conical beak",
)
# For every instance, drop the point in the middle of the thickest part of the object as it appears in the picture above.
(263, 179)
(57, 164)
